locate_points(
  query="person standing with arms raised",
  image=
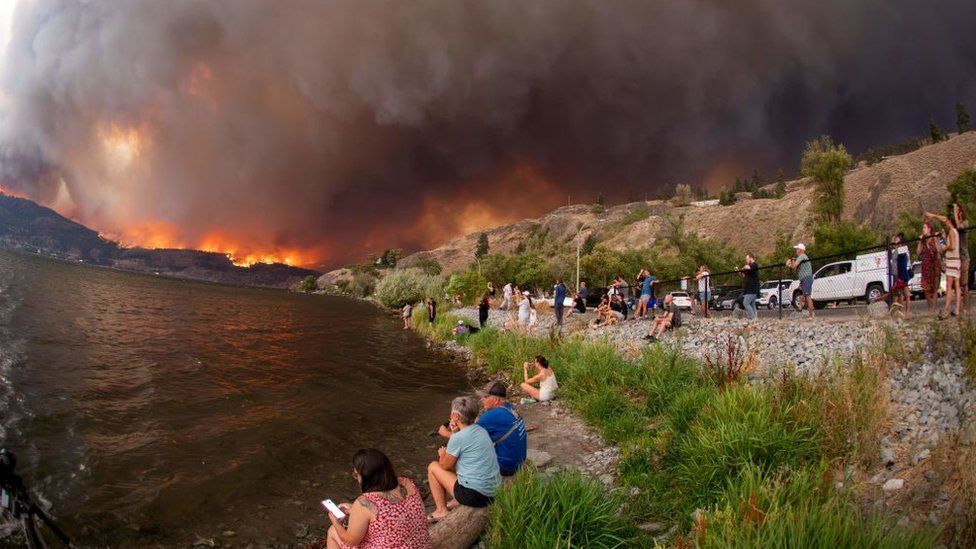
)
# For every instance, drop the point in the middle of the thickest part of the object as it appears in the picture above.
(804, 272)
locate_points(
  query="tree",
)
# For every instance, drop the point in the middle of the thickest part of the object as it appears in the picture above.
(756, 181)
(427, 264)
(588, 244)
(600, 199)
(469, 284)
(845, 237)
(601, 265)
(726, 198)
(779, 191)
(781, 252)
(962, 118)
(390, 258)
(827, 164)
(482, 249)
(682, 195)
(309, 284)
(936, 132)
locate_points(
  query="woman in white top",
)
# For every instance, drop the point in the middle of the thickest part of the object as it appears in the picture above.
(525, 311)
(544, 375)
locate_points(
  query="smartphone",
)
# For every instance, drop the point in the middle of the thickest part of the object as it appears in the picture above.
(334, 509)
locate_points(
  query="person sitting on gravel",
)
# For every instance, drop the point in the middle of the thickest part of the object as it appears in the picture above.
(389, 513)
(579, 305)
(604, 314)
(619, 307)
(467, 468)
(544, 375)
(670, 319)
(505, 427)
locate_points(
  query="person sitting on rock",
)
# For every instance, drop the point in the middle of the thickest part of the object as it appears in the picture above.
(467, 468)
(505, 427)
(389, 513)
(544, 376)
(670, 319)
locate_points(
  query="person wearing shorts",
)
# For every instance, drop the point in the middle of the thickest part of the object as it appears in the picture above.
(804, 271)
(467, 468)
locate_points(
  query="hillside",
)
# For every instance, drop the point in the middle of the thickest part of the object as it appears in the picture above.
(29, 227)
(874, 195)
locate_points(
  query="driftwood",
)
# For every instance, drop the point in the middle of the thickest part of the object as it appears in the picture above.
(459, 529)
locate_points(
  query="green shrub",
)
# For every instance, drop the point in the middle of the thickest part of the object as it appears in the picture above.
(796, 508)
(827, 164)
(361, 285)
(309, 284)
(407, 286)
(468, 284)
(562, 511)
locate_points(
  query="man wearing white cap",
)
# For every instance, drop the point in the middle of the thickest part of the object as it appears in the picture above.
(804, 271)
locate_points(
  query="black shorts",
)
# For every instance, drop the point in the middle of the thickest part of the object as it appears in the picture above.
(469, 497)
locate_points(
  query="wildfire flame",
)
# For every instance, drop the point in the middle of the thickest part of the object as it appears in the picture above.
(160, 235)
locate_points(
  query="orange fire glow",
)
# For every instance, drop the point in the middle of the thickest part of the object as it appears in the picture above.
(10, 192)
(158, 235)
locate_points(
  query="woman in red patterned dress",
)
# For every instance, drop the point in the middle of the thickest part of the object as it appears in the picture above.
(930, 256)
(388, 515)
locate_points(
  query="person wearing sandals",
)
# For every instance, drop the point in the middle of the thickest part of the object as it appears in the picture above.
(505, 427)
(953, 262)
(544, 375)
(467, 468)
(389, 513)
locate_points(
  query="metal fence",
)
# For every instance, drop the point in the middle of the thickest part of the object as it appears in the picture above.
(850, 278)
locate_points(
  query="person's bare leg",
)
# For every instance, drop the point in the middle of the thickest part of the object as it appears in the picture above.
(958, 296)
(950, 293)
(809, 300)
(654, 327)
(661, 326)
(530, 390)
(906, 296)
(441, 483)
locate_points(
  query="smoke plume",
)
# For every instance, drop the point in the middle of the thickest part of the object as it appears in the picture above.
(326, 129)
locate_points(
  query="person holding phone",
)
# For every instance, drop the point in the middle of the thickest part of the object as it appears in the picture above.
(389, 513)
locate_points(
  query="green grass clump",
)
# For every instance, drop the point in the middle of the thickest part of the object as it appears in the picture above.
(796, 508)
(564, 510)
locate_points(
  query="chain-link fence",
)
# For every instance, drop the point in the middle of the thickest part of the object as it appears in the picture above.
(890, 272)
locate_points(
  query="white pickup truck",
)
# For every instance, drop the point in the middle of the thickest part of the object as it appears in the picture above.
(866, 277)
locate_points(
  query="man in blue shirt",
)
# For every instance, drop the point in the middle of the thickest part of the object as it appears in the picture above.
(504, 426)
(560, 297)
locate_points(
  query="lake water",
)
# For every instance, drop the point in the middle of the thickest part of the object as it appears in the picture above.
(155, 411)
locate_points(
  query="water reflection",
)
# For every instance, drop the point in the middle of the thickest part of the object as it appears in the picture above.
(155, 410)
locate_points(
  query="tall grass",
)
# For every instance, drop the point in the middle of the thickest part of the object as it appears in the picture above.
(564, 510)
(689, 439)
(796, 508)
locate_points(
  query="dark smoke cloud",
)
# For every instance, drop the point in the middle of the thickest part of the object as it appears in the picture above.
(337, 125)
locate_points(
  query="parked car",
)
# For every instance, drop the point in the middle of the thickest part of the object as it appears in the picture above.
(915, 284)
(769, 293)
(594, 295)
(681, 300)
(866, 277)
(567, 302)
(718, 294)
(732, 301)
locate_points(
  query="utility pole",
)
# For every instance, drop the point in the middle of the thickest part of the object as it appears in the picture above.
(579, 231)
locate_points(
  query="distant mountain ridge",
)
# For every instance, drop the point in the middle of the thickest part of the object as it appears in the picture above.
(29, 227)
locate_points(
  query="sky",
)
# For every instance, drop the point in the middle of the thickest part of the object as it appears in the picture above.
(326, 130)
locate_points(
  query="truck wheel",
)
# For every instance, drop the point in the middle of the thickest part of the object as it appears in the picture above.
(798, 301)
(874, 291)
(771, 303)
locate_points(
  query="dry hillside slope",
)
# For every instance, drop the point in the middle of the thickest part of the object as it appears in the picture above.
(915, 181)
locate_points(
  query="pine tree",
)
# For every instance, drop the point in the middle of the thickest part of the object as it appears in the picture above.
(936, 132)
(482, 249)
(755, 180)
(962, 118)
